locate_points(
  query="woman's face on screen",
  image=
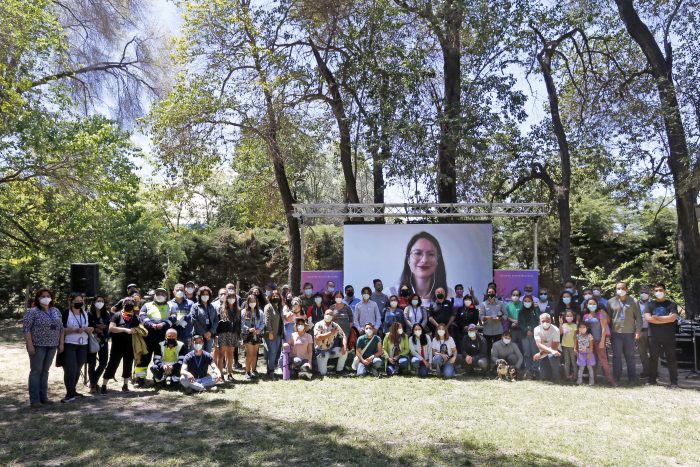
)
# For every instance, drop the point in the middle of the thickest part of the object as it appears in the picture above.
(423, 259)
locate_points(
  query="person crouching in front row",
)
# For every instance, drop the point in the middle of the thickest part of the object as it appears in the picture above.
(300, 349)
(194, 375)
(168, 358)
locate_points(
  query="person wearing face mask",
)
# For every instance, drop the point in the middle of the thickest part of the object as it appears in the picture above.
(414, 313)
(393, 314)
(342, 313)
(43, 335)
(626, 327)
(194, 375)
(458, 299)
(444, 352)
(662, 316)
(190, 289)
(367, 311)
(421, 350)
(331, 342)
(328, 295)
(289, 316)
(252, 325)
(396, 349)
(547, 338)
(227, 333)
(587, 294)
(98, 317)
(274, 331)
(168, 358)
(570, 286)
(544, 305)
(596, 319)
(350, 299)
(379, 297)
(315, 312)
(491, 312)
(205, 318)
(130, 290)
(157, 317)
(528, 320)
(568, 344)
(121, 329)
(307, 296)
(467, 314)
(300, 349)
(598, 295)
(76, 329)
(474, 350)
(181, 307)
(404, 296)
(507, 350)
(368, 351)
(529, 290)
(566, 303)
(440, 312)
(513, 310)
(643, 342)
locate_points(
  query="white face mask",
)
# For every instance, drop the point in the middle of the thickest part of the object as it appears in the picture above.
(160, 299)
(468, 302)
(338, 300)
(400, 331)
(393, 304)
(198, 346)
(515, 298)
(369, 332)
(596, 293)
(179, 294)
(506, 341)
(621, 292)
(98, 305)
(587, 296)
(472, 334)
(45, 300)
(328, 318)
(441, 332)
(592, 308)
(365, 296)
(230, 301)
(659, 295)
(190, 290)
(204, 298)
(417, 333)
(300, 327)
(318, 300)
(251, 305)
(414, 302)
(527, 304)
(644, 296)
(546, 325)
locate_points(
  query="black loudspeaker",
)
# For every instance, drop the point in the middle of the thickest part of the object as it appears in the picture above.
(84, 278)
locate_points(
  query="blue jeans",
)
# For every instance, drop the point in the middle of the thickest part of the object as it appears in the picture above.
(39, 366)
(272, 356)
(377, 363)
(443, 367)
(199, 384)
(416, 363)
(623, 344)
(400, 365)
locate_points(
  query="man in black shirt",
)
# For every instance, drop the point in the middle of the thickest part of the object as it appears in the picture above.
(662, 314)
(441, 311)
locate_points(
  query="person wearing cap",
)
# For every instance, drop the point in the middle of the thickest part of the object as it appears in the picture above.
(507, 350)
(285, 290)
(368, 351)
(190, 290)
(300, 348)
(331, 342)
(181, 306)
(194, 375)
(130, 289)
(168, 358)
(157, 317)
(643, 342)
(474, 350)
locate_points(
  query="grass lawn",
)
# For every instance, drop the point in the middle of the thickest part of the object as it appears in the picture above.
(347, 421)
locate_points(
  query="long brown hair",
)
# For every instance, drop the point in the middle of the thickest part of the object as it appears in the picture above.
(225, 309)
(39, 293)
(394, 336)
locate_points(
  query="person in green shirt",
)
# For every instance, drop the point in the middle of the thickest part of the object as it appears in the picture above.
(513, 310)
(368, 352)
(396, 350)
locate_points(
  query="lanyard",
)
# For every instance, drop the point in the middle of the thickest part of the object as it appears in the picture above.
(79, 320)
(198, 362)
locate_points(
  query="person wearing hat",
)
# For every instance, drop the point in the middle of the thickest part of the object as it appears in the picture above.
(194, 375)
(130, 289)
(300, 348)
(474, 350)
(285, 290)
(643, 342)
(190, 289)
(331, 342)
(157, 317)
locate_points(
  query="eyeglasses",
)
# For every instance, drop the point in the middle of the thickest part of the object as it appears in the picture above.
(419, 254)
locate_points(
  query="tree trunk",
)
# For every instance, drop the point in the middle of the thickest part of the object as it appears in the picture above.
(685, 184)
(561, 190)
(338, 108)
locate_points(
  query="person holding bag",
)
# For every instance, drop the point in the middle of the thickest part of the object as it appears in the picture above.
(368, 352)
(98, 347)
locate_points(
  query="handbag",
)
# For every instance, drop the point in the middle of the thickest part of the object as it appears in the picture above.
(93, 344)
(59, 359)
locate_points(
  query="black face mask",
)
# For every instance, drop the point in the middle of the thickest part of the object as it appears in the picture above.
(491, 295)
(275, 300)
(128, 307)
(440, 296)
(350, 293)
(171, 342)
(77, 305)
(404, 293)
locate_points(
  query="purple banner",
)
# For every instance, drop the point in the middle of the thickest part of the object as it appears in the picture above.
(508, 279)
(320, 278)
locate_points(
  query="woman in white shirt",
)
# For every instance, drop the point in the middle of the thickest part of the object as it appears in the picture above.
(415, 313)
(444, 352)
(75, 349)
(421, 351)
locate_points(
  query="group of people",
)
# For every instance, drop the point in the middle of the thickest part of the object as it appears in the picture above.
(193, 339)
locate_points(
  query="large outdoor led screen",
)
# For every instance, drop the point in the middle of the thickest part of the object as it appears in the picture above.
(423, 256)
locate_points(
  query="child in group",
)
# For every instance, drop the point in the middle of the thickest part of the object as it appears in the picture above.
(585, 358)
(568, 333)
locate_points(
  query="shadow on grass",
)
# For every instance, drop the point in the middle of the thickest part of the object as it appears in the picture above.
(11, 331)
(211, 430)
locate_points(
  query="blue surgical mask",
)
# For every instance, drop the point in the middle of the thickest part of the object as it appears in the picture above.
(566, 300)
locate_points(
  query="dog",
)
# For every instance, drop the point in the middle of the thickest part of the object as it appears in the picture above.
(502, 370)
(512, 374)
